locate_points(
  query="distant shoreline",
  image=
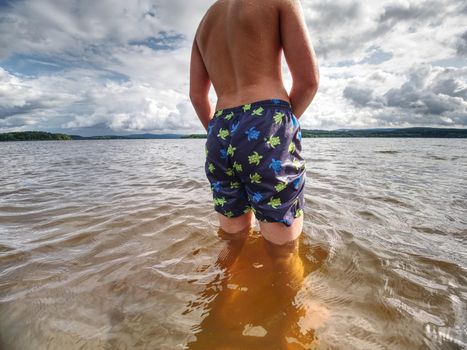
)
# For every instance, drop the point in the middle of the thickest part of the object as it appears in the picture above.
(414, 132)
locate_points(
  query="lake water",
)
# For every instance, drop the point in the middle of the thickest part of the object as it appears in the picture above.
(114, 245)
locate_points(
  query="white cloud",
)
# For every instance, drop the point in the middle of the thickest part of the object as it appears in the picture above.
(134, 107)
(123, 106)
(30, 101)
(72, 27)
(125, 64)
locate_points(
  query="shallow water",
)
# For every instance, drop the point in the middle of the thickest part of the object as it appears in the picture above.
(114, 245)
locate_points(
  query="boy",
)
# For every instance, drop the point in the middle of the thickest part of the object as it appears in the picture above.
(253, 148)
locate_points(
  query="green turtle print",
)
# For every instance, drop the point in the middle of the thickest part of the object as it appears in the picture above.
(254, 158)
(238, 167)
(223, 133)
(273, 141)
(254, 162)
(258, 111)
(278, 117)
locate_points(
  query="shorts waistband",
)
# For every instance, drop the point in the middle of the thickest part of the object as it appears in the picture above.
(274, 102)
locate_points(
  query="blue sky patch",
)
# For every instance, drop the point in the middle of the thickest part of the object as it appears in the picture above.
(377, 56)
(33, 65)
(164, 41)
(37, 65)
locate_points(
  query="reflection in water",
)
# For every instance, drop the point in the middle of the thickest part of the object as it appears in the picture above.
(255, 303)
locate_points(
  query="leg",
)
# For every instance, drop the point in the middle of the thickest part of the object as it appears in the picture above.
(288, 279)
(239, 225)
(278, 233)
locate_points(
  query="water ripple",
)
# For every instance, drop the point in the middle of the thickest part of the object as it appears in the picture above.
(112, 244)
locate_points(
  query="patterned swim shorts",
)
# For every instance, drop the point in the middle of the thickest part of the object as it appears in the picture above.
(253, 161)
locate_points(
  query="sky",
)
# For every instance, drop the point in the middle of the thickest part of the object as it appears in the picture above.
(122, 67)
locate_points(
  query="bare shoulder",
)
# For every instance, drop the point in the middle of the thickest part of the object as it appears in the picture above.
(286, 7)
(284, 4)
(204, 23)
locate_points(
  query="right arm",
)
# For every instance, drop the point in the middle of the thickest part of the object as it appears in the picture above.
(299, 55)
(200, 84)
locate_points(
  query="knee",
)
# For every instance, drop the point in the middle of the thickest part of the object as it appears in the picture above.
(281, 251)
(278, 233)
(233, 236)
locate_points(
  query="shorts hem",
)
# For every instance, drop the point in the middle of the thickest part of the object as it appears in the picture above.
(229, 214)
(287, 223)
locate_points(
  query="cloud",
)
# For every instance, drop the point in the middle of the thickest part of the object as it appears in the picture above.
(429, 95)
(135, 53)
(134, 107)
(410, 11)
(462, 44)
(433, 92)
(80, 27)
(28, 99)
(122, 106)
(345, 29)
(359, 96)
(123, 66)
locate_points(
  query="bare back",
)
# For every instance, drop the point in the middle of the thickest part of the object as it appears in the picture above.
(240, 43)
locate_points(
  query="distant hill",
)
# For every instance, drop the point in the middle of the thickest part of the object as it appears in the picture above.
(33, 136)
(47, 136)
(378, 132)
(195, 136)
(386, 132)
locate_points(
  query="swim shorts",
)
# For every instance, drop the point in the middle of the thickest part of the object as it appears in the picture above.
(253, 161)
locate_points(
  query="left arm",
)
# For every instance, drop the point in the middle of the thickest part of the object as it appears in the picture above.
(199, 87)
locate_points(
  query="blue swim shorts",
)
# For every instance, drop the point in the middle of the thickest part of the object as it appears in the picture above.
(253, 161)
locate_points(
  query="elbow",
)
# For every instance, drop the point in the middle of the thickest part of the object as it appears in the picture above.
(196, 99)
(193, 97)
(313, 81)
(312, 84)
(308, 88)
(308, 83)
(312, 88)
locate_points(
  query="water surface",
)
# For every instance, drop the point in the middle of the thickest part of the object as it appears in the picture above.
(114, 245)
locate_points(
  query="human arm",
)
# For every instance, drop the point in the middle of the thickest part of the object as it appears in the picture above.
(299, 55)
(199, 87)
